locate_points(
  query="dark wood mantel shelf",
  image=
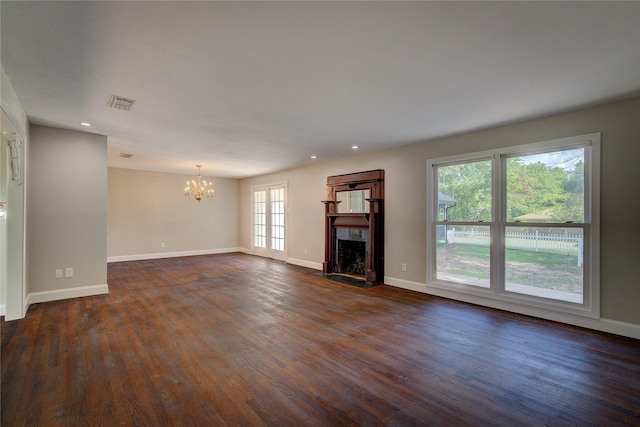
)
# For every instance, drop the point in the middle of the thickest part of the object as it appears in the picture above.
(350, 220)
(349, 214)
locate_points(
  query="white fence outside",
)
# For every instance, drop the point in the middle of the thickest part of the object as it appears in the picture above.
(534, 240)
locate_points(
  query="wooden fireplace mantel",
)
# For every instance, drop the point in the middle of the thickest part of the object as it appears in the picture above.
(350, 219)
(373, 220)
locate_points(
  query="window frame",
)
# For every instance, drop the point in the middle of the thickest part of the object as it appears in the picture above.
(590, 306)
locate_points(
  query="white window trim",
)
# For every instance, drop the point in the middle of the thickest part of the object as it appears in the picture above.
(591, 304)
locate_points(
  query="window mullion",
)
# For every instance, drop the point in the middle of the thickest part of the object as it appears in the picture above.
(267, 218)
(498, 180)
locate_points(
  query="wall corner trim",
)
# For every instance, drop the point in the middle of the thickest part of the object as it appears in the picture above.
(60, 294)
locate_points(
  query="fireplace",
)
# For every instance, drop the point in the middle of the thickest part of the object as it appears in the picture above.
(354, 226)
(352, 247)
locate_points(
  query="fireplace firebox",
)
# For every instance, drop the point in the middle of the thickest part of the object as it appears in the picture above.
(352, 245)
(354, 226)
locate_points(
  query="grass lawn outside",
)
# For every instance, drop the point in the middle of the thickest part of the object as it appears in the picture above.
(551, 270)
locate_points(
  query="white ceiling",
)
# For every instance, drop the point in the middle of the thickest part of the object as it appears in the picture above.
(247, 88)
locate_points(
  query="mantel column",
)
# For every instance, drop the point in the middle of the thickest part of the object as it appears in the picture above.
(371, 276)
(329, 257)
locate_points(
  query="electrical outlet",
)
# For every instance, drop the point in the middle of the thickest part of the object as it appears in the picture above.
(404, 267)
(68, 272)
(162, 245)
(306, 251)
(59, 274)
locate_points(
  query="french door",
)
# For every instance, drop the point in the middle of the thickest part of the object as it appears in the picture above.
(269, 221)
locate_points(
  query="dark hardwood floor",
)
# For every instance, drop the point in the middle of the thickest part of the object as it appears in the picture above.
(241, 340)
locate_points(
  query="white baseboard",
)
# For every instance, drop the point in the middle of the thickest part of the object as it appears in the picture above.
(159, 255)
(405, 284)
(3, 310)
(58, 294)
(305, 263)
(604, 325)
(620, 328)
(289, 260)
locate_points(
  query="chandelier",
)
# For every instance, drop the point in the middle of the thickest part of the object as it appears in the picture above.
(198, 188)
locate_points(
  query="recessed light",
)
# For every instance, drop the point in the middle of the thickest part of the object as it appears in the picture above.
(314, 157)
(355, 147)
(87, 124)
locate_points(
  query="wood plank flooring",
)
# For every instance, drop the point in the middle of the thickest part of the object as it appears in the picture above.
(233, 339)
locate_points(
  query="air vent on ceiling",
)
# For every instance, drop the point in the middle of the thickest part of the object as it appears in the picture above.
(126, 155)
(120, 103)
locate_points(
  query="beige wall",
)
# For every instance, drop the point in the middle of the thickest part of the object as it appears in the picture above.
(405, 187)
(149, 208)
(66, 210)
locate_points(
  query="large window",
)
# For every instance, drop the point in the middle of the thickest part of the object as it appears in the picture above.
(519, 224)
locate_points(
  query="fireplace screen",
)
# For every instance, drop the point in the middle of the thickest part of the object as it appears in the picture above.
(352, 249)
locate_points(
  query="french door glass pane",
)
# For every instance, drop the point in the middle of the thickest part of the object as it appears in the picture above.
(464, 192)
(277, 219)
(260, 219)
(545, 262)
(546, 187)
(462, 254)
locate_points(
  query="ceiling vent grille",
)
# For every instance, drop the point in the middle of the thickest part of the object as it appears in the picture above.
(121, 103)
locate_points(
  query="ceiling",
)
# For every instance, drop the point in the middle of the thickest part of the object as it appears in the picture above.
(247, 88)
